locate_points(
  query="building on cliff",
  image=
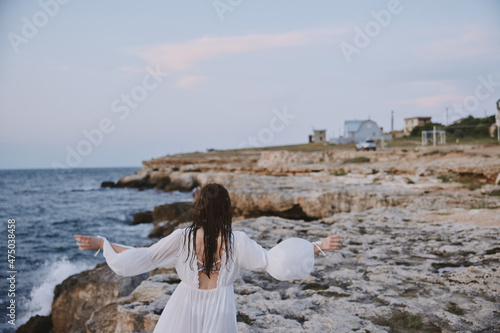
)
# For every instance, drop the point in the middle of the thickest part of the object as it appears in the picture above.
(318, 137)
(359, 130)
(411, 123)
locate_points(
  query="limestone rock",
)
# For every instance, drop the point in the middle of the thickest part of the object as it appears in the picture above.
(80, 295)
(397, 263)
(108, 184)
(158, 179)
(181, 182)
(143, 217)
(137, 180)
(36, 324)
(162, 229)
(438, 275)
(175, 212)
(387, 268)
(167, 217)
(305, 197)
(104, 320)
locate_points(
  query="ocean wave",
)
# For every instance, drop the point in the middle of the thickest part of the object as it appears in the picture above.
(50, 275)
(120, 217)
(84, 189)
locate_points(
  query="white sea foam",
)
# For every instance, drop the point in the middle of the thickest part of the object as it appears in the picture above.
(121, 217)
(50, 274)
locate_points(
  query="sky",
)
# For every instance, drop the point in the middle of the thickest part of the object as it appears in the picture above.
(115, 83)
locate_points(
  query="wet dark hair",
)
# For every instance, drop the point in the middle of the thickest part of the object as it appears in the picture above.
(213, 213)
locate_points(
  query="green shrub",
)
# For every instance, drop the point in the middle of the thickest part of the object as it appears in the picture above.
(464, 180)
(471, 182)
(401, 321)
(445, 179)
(434, 152)
(359, 159)
(453, 308)
(495, 193)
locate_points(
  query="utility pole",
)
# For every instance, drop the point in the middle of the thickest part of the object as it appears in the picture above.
(392, 123)
(498, 120)
(446, 116)
(434, 135)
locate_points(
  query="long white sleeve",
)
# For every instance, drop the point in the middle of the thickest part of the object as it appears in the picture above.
(135, 261)
(289, 260)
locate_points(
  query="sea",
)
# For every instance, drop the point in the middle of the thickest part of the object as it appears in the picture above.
(47, 207)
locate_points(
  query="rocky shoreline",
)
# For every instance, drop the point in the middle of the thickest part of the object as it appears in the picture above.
(411, 261)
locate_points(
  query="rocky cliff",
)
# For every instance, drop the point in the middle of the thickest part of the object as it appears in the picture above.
(421, 252)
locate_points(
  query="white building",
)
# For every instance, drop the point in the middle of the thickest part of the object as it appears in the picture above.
(359, 130)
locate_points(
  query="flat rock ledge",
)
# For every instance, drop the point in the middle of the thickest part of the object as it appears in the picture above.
(182, 173)
(315, 185)
(396, 273)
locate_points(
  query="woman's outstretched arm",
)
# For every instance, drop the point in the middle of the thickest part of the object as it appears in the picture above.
(129, 261)
(95, 243)
(289, 260)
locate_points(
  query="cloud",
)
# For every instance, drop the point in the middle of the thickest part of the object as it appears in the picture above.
(132, 69)
(468, 42)
(439, 93)
(189, 81)
(431, 101)
(182, 56)
(434, 84)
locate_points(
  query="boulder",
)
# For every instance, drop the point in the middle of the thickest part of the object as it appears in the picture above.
(163, 228)
(80, 295)
(180, 181)
(108, 184)
(143, 217)
(174, 212)
(37, 324)
(158, 180)
(167, 217)
(105, 320)
(138, 312)
(132, 181)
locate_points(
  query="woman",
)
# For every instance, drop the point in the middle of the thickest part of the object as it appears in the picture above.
(204, 300)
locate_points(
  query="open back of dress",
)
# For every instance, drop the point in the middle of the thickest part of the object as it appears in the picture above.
(204, 282)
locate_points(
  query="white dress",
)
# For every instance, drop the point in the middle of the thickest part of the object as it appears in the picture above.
(190, 309)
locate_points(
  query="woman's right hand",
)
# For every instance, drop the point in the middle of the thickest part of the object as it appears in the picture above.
(88, 242)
